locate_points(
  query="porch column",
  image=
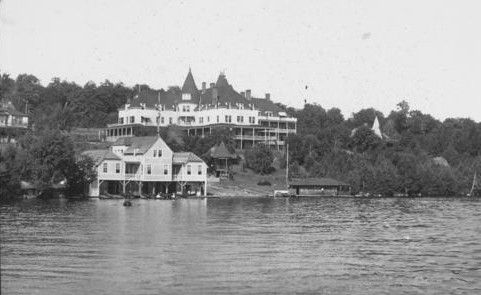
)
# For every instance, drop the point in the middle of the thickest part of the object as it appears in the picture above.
(253, 136)
(241, 138)
(278, 138)
(205, 188)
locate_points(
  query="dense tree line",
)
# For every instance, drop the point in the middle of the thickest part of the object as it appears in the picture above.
(44, 159)
(62, 104)
(408, 159)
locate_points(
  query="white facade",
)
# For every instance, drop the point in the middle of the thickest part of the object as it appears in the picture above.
(154, 165)
(253, 120)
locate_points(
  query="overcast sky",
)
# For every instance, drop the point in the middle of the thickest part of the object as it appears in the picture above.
(351, 54)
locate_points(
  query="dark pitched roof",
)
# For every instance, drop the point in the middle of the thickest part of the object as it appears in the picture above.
(221, 152)
(189, 85)
(185, 157)
(137, 145)
(221, 81)
(222, 94)
(99, 155)
(323, 181)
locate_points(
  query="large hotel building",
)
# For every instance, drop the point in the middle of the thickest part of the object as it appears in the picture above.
(199, 111)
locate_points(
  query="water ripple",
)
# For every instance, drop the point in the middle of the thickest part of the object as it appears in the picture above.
(243, 246)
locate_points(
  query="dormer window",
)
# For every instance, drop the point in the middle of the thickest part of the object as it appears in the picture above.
(186, 96)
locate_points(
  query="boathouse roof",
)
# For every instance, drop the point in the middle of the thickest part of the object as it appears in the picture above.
(185, 157)
(138, 145)
(99, 155)
(317, 182)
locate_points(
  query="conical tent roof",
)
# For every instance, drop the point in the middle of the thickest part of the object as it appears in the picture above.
(376, 128)
(221, 152)
(189, 84)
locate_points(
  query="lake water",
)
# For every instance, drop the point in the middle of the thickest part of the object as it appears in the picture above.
(242, 246)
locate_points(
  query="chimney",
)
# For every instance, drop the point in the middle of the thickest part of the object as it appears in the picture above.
(212, 85)
(268, 96)
(248, 94)
(215, 95)
(243, 94)
(203, 87)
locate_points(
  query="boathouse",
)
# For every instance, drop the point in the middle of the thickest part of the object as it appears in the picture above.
(318, 187)
(146, 166)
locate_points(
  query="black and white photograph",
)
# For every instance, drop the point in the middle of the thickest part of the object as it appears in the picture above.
(240, 147)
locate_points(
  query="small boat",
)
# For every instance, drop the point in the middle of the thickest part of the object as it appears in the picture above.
(107, 196)
(282, 193)
(362, 194)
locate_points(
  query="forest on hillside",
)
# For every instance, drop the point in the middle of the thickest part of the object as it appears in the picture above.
(417, 153)
(64, 105)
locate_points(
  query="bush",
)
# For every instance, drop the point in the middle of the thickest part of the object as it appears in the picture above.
(264, 182)
(260, 159)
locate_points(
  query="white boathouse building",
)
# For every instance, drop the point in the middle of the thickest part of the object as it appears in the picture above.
(146, 165)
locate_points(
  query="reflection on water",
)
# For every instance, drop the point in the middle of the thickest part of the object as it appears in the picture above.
(245, 246)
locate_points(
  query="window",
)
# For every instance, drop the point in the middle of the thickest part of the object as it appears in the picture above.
(155, 153)
(199, 171)
(162, 120)
(252, 120)
(149, 169)
(166, 169)
(208, 119)
(117, 168)
(121, 120)
(132, 119)
(189, 170)
(228, 119)
(217, 119)
(240, 119)
(170, 121)
(159, 153)
(201, 120)
(105, 167)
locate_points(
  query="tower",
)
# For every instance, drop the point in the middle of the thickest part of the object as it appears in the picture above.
(189, 89)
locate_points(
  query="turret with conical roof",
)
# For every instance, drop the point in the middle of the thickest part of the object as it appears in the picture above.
(221, 80)
(189, 85)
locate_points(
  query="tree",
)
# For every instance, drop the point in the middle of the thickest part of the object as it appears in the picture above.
(365, 117)
(260, 159)
(81, 174)
(51, 158)
(364, 140)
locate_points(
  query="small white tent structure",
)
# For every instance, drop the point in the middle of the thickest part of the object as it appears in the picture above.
(376, 128)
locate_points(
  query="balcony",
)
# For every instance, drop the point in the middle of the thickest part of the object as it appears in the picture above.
(256, 137)
(14, 125)
(133, 176)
